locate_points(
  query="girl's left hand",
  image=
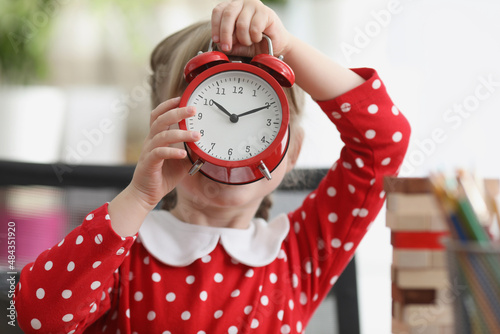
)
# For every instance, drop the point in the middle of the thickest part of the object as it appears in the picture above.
(238, 25)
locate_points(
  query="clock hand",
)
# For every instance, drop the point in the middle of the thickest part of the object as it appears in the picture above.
(255, 110)
(232, 117)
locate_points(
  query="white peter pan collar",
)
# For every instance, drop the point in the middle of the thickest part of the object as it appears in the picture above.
(179, 244)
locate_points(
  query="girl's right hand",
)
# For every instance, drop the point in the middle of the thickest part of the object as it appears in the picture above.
(163, 163)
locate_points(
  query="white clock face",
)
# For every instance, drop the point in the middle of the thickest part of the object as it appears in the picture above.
(237, 113)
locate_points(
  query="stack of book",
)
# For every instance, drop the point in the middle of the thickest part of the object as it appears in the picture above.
(422, 293)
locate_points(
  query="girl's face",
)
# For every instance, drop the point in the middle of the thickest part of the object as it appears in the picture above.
(202, 194)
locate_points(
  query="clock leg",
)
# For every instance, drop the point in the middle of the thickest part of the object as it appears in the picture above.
(265, 172)
(196, 167)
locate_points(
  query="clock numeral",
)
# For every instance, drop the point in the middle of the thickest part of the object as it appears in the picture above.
(237, 90)
(209, 102)
(220, 91)
(247, 149)
(230, 152)
(263, 139)
(254, 93)
(202, 132)
(269, 122)
(200, 116)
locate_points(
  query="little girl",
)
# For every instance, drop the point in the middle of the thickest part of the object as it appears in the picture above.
(206, 264)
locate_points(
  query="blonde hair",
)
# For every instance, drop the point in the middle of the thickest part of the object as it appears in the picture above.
(167, 81)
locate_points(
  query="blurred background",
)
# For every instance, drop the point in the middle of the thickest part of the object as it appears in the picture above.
(74, 87)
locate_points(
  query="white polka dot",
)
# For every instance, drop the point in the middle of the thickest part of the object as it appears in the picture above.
(395, 110)
(273, 278)
(356, 139)
(375, 85)
(151, 315)
(280, 315)
(331, 191)
(218, 314)
(48, 265)
(291, 304)
(98, 239)
(303, 214)
(255, 323)
(370, 134)
(218, 278)
(372, 182)
(79, 240)
(138, 296)
(107, 217)
(285, 329)
(308, 267)
(203, 295)
(348, 246)
(185, 315)
(321, 242)
(66, 294)
(295, 281)
(130, 276)
(71, 266)
(264, 300)
(359, 162)
(347, 165)
(386, 161)
(250, 272)
(199, 332)
(68, 317)
(247, 309)
(95, 285)
(334, 279)
(382, 194)
(235, 293)
(336, 115)
(296, 227)
(120, 251)
(282, 255)
(36, 324)
(318, 272)
(345, 107)
(146, 260)
(93, 307)
(90, 217)
(312, 196)
(40, 293)
(127, 313)
(372, 108)
(336, 243)
(397, 136)
(103, 295)
(190, 279)
(96, 264)
(60, 244)
(206, 259)
(332, 217)
(315, 297)
(170, 297)
(363, 213)
(232, 330)
(156, 277)
(355, 212)
(351, 188)
(303, 298)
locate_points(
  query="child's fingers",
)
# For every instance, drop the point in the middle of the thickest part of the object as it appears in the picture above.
(159, 154)
(169, 137)
(227, 22)
(243, 26)
(258, 25)
(169, 118)
(163, 108)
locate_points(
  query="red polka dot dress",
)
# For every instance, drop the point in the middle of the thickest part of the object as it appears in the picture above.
(176, 277)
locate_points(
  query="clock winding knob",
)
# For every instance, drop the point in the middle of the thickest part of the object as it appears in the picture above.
(265, 172)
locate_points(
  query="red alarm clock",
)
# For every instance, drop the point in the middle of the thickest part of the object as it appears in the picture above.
(242, 115)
